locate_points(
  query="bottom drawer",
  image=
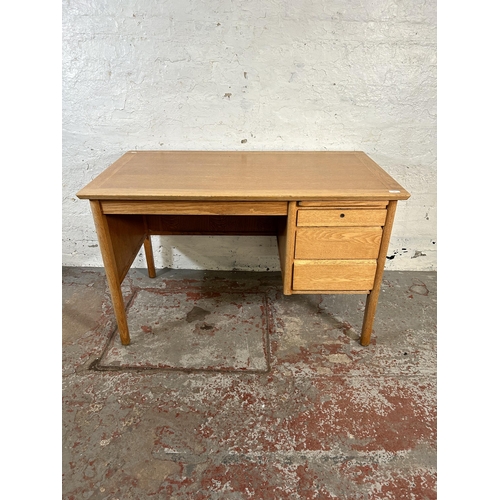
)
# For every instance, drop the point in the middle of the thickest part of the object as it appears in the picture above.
(333, 274)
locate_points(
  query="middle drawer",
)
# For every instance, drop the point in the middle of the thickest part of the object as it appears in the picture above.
(337, 242)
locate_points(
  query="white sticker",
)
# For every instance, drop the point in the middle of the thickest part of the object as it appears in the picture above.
(394, 191)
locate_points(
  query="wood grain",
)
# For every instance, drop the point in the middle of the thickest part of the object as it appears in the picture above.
(195, 207)
(334, 274)
(112, 270)
(148, 252)
(352, 217)
(286, 247)
(344, 204)
(327, 209)
(127, 234)
(372, 299)
(244, 175)
(338, 243)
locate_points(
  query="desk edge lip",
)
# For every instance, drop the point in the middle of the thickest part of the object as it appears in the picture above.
(379, 196)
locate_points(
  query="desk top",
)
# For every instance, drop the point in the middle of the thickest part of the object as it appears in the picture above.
(242, 175)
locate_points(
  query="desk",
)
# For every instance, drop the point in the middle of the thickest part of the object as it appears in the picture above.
(332, 214)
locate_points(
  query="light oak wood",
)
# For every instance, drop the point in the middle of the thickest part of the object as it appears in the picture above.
(334, 274)
(338, 243)
(331, 212)
(104, 235)
(286, 247)
(330, 292)
(148, 252)
(344, 204)
(127, 234)
(372, 299)
(352, 217)
(243, 175)
(195, 207)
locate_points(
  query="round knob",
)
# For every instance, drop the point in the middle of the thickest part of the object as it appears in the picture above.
(342, 216)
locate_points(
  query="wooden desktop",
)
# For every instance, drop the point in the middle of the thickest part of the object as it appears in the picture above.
(332, 214)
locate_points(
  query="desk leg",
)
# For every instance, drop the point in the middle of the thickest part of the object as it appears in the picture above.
(110, 266)
(148, 251)
(372, 298)
(286, 246)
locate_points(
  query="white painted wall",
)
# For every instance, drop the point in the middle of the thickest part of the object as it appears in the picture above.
(250, 75)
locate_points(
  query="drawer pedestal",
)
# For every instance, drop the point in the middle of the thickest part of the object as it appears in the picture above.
(337, 247)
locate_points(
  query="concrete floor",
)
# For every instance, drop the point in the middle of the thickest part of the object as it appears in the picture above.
(230, 390)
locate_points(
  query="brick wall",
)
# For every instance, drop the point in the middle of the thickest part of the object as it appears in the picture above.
(241, 75)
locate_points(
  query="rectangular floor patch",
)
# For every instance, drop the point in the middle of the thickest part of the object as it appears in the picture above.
(192, 330)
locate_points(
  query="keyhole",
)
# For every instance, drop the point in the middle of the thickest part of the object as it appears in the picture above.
(342, 216)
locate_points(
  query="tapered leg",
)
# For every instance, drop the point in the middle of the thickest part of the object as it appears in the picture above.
(119, 307)
(286, 247)
(110, 266)
(148, 251)
(369, 317)
(372, 298)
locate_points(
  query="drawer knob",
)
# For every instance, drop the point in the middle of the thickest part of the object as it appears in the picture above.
(342, 216)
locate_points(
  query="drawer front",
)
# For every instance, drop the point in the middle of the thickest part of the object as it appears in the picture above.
(337, 217)
(323, 275)
(338, 243)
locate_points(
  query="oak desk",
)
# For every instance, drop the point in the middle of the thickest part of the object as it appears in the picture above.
(332, 214)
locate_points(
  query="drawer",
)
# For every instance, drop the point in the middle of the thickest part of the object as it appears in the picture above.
(339, 217)
(326, 275)
(337, 243)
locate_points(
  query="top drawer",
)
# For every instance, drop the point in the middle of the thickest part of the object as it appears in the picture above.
(339, 217)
